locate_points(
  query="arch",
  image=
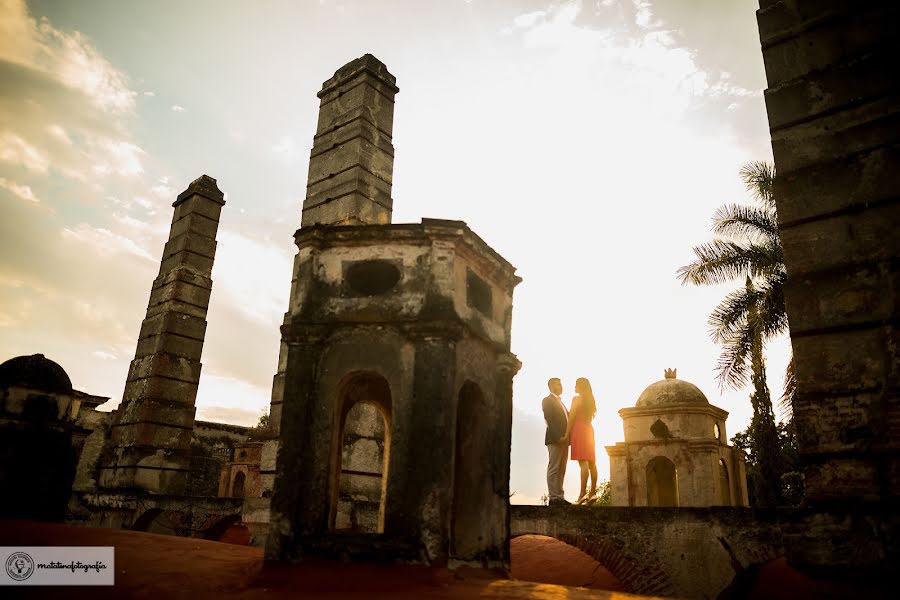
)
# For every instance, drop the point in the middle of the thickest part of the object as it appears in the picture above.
(724, 484)
(222, 530)
(545, 559)
(143, 522)
(662, 482)
(361, 450)
(237, 485)
(471, 488)
(637, 574)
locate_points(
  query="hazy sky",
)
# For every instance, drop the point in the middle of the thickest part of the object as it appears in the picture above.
(588, 142)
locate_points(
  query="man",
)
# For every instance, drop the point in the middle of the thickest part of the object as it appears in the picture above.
(557, 418)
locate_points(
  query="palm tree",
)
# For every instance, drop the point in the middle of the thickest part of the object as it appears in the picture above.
(748, 245)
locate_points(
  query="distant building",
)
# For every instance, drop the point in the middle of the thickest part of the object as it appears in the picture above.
(675, 451)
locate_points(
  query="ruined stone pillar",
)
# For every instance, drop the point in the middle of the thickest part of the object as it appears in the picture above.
(352, 160)
(151, 433)
(350, 172)
(833, 114)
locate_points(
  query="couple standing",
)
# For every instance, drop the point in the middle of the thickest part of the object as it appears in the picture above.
(570, 427)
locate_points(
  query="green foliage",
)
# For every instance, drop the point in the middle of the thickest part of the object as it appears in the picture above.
(792, 489)
(263, 430)
(604, 494)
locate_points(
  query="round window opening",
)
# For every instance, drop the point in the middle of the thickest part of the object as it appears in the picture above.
(372, 277)
(716, 432)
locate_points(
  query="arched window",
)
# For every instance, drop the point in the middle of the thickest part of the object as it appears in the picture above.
(471, 486)
(237, 487)
(724, 484)
(361, 458)
(662, 482)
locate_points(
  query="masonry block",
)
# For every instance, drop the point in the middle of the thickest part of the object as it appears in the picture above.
(850, 239)
(170, 343)
(169, 366)
(848, 184)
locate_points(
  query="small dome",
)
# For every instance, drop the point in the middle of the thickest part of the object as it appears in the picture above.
(35, 372)
(671, 391)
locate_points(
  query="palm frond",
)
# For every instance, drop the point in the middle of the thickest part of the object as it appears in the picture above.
(732, 314)
(745, 222)
(786, 402)
(732, 368)
(720, 261)
(759, 177)
(771, 307)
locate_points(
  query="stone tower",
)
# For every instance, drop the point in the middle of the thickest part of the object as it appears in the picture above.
(150, 437)
(352, 159)
(395, 371)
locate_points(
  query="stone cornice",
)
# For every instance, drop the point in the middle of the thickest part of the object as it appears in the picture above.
(674, 409)
(469, 244)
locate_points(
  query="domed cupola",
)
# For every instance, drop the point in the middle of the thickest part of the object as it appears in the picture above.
(671, 392)
(35, 372)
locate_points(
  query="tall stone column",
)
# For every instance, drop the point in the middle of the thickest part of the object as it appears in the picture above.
(350, 173)
(833, 114)
(352, 160)
(151, 433)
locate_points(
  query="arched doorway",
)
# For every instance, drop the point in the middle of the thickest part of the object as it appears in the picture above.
(471, 486)
(662, 482)
(237, 487)
(361, 454)
(545, 559)
(724, 484)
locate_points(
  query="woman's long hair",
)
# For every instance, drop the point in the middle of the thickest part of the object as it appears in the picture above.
(583, 389)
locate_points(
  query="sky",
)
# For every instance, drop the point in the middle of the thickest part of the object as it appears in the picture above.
(589, 142)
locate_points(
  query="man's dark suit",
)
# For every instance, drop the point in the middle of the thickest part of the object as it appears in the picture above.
(557, 418)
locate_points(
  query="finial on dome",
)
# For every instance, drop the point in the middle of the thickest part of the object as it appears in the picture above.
(670, 373)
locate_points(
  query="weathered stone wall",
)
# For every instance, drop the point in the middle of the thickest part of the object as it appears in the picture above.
(684, 552)
(151, 434)
(362, 465)
(834, 116)
(688, 422)
(689, 441)
(426, 338)
(352, 160)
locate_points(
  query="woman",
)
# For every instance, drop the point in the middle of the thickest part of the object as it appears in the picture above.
(580, 432)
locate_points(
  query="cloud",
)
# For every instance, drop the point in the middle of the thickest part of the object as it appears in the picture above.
(150, 94)
(62, 104)
(22, 191)
(104, 242)
(252, 275)
(230, 400)
(163, 189)
(177, 108)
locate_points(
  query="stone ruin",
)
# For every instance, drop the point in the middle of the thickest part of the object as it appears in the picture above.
(676, 451)
(832, 108)
(397, 336)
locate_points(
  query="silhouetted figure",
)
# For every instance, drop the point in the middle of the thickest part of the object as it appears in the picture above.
(556, 415)
(581, 433)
